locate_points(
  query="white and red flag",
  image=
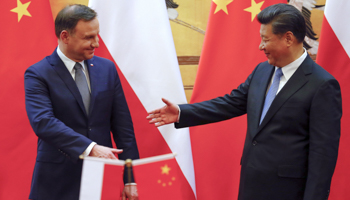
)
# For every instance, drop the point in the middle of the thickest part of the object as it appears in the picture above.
(334, 55)
(136, 35)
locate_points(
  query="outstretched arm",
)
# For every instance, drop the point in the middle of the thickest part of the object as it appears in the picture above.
(165, 115)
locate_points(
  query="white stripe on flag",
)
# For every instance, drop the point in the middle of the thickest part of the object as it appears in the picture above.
(139, 38)
(91, 180)
(336, 12)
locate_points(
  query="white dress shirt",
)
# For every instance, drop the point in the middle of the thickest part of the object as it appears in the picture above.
(288, 71)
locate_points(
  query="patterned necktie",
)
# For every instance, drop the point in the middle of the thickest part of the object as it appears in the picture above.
(271, 93)
(82, 84)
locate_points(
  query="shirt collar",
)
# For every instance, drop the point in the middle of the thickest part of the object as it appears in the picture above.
(68, 62)
(289, 69)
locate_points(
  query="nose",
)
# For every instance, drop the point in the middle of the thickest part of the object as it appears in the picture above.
(95, 43)
(261, 46)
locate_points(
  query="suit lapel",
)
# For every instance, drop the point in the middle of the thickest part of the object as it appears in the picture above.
(264, 77)
(93, 73)
(297, 81)
(58, 65)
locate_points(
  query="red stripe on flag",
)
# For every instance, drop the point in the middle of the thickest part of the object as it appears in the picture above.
(112, 185)
(332, 57)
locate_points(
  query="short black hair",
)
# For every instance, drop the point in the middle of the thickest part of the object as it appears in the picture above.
(284, 18)
(69, 16)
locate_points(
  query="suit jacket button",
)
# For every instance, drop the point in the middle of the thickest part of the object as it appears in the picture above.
(255, 142)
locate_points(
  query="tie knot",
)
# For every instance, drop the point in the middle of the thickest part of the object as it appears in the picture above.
(279, 72)
(77, 66)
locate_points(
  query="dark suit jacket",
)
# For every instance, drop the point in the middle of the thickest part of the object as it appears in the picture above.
(56, 113)
(292, 154)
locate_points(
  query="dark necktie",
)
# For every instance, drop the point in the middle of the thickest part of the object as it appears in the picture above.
(82, 84)
(271, 93)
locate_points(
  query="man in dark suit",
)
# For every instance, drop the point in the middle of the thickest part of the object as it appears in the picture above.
(293, 109)
(74, 100)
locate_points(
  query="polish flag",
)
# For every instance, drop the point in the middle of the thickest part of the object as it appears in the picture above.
(334, 55)
(136, 35)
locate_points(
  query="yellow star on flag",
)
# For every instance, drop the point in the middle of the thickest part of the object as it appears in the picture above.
(254, 9)
(21, 9)
(165, 169)
(221, 5)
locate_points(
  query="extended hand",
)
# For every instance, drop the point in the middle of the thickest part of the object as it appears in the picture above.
(104, 152)
(166, 115)
(130, 192)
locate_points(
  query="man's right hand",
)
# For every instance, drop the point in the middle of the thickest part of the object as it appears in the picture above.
(165, 115)
(104, 152)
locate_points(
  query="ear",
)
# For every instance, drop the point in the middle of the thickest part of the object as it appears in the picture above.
(64, 36)
(289, 38)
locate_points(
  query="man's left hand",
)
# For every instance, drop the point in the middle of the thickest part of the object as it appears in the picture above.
(130, 193)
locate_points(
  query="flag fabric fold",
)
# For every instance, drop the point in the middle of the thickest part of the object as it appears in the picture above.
(230, 53)
(334, 55)
(27, 37)
(137, 37)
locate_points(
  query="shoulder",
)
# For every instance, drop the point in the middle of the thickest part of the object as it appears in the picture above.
(102, 61)
(318, 72)
(40, 66)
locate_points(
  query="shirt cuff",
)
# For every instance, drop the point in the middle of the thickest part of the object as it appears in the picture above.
(88, 149)
(178, 118)
(130, 184)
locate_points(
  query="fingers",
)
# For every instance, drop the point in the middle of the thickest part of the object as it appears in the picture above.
(159, 124)
(152, 116)
(117, 151)
(104, 152)
(155, 120)
(168, 103)
(123, 196)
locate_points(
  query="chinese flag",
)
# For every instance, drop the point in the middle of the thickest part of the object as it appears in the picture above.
(230, 53)
(334, 56)
(159, 180)
(27, 36)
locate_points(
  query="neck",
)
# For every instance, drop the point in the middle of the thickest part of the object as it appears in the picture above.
(297, 51)
(65, 52)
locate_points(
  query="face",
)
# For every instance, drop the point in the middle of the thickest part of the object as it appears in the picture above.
(274, 46)
(82, 43)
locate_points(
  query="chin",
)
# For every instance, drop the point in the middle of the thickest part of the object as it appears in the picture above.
(89, 56)
(271, 62)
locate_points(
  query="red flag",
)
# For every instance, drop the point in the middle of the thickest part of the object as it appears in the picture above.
(112, 185)
(230, 53)
(158, 180)
(334, 55)
(27, 36)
